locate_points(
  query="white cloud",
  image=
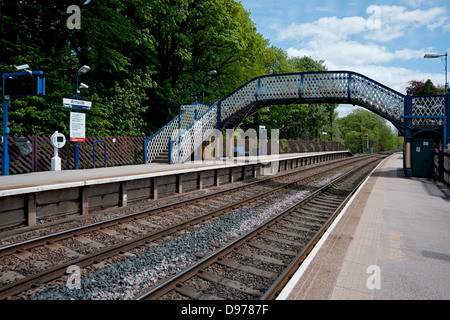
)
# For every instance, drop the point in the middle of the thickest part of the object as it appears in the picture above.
(394, 77)
(361, 45)
(326, 29)
(396, 21)
(354, 53)
(414, 3)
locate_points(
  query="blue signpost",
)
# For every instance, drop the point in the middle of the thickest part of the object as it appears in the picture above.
(75, 103)
(17, 84)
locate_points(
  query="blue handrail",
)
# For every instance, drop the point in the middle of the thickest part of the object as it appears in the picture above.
(93, 151)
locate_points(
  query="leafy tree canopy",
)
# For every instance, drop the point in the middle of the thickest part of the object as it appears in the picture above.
(147, 58)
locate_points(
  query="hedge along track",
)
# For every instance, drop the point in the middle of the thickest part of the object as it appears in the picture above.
(52, 240)
(260, 263)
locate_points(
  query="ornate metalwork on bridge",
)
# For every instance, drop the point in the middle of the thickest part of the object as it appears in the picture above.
(315, 87)
(428, 106)
(185, 133)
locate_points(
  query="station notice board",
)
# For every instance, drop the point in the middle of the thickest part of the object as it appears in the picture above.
(77, 126)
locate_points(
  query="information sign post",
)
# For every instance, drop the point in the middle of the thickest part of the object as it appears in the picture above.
(77, 127)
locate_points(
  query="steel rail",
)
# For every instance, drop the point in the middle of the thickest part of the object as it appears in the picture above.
(7, 249)
(58, 271)
(287, 274)
(177, 280)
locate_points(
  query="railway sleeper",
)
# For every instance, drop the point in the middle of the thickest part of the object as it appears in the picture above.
(314, 210)
(312, 217)
(206, 275)
(322, 202)
(302, 214)
(289, 234)
(282, 241)
(248, 269)
(290, 225)
(320, 207)
(332, 195)
(312, 225)
(194, 294)
(309, 224)
(271, 249)
(261, 258)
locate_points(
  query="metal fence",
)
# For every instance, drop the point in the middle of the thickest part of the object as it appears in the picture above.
(283, 146)
(34, 153)
(442, 166)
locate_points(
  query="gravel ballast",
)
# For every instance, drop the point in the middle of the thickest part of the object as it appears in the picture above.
(127, 278)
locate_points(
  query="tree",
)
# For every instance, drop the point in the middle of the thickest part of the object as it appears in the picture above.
(421, 88)
(355, 127)
(414, 86)
(147, 58)
(194, 37)
(35, 32)
(295, 122)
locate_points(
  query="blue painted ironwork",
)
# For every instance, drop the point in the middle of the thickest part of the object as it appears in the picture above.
(159, 142)
(341, 87)
(313, 87)
(191, 137)
(170, 150)
(40, 91)
(104, 148)
(444, 118)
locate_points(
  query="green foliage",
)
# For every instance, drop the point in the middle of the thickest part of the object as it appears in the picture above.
(355, 127)
(429, 89)
(295, 122)
(35, 33)
(147, 58)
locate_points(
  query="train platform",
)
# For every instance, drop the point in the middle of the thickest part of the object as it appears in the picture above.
(48, 180)
(34, 198)
(391, 242)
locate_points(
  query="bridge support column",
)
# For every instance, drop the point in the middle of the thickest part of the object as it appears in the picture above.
(408, 136)
(407, 156)
(447, 114)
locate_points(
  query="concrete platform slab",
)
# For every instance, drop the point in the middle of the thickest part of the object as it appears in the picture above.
(392, 241)
(43, 181)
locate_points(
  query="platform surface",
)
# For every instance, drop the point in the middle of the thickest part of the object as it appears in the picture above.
(392, 241)
(48, 180)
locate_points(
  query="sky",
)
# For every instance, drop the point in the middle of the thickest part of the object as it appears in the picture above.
(384, 40)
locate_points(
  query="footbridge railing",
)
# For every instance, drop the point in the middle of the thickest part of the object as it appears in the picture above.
(316, 87)
(159, 142)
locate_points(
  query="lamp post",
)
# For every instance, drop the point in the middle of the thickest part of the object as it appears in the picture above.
(368, 150)
(209, 73)
(5, 155)
(435, 56)
(84, 69)
(324, 133)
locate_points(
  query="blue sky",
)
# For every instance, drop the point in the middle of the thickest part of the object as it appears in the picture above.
(384, 40)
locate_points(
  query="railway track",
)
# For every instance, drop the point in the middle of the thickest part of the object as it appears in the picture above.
(128, 236)
(259, 264)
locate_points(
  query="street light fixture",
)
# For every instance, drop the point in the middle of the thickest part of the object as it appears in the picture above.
(83, 70)
(435, 56)
(209, 73)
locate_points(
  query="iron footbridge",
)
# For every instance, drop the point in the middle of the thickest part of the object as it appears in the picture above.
(176, 141)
